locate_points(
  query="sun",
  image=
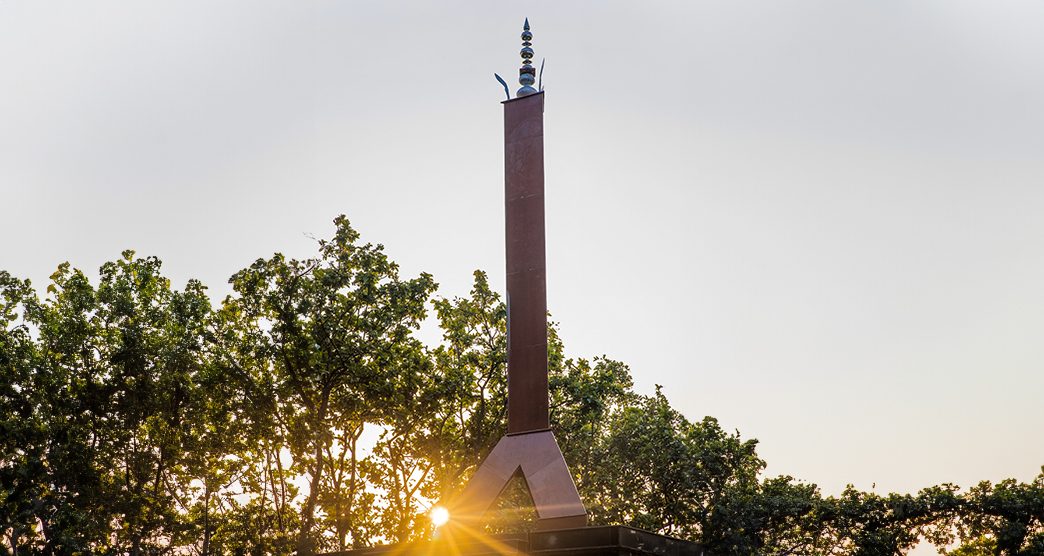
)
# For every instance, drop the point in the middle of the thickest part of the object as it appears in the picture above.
(439, 516)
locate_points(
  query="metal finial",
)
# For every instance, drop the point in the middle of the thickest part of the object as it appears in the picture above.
(527, 73)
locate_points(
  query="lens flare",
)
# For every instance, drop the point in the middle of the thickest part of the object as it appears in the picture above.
(439, 516)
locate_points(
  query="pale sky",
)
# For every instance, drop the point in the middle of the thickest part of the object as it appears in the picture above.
(817, 221)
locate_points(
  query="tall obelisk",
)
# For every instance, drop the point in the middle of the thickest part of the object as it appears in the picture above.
(526, 268)
(529, 449)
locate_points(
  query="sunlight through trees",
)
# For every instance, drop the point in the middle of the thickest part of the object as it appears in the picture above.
(301, 413)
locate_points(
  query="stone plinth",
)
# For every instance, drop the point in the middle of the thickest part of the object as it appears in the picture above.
(612, 540)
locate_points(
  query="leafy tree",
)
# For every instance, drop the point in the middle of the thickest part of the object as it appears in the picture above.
(584, 393)
(106, 391)
(346, 496)
(1007, 517)
(403, 461)
(151, 351)
(872, 525)
(776, 516)
(472, 363)
(73, 504)
(257, 511)
(981, 546)
(664, 473)
(22, 437)
(220, 441)
(337, 332)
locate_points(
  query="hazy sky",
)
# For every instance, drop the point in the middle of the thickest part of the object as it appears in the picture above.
(819, 221)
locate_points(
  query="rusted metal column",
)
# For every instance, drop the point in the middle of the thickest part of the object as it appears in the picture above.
(526, 270)
(529, 449)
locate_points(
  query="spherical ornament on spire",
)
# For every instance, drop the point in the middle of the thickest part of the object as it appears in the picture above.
(527, 73)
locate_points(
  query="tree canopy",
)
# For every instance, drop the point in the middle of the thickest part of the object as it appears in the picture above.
(302, 414)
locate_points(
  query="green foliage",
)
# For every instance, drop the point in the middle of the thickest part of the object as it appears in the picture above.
(333, 334)
(982, 546)
(22, 436)
(1007, 516)
(104, 396)
(661, 472)
(301, 414)
(472, 362)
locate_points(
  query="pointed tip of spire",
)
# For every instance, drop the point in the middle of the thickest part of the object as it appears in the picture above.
(526, 74)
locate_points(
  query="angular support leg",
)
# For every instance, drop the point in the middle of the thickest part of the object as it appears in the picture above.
(539, 459)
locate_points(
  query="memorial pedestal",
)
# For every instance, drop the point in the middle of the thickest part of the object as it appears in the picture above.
(614, 540)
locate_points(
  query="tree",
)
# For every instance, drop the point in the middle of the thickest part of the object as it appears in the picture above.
(337, 333)
(584, 393)
(1007, 517)
(472, 363)
(102, 395)
(663, 473)
(775, 516)
(22, 437)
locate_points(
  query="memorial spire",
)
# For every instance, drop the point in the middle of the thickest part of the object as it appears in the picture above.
(528, 449)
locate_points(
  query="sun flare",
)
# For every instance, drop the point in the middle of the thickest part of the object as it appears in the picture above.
(439, 516)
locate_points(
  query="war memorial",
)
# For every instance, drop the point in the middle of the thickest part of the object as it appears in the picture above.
(528, 450)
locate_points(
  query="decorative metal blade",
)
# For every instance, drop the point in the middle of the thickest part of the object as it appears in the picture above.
(507, 92)
(540, 78)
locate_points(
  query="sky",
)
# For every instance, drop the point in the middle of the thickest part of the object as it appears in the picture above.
(818, 221)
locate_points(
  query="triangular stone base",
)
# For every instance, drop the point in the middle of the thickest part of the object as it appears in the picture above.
(538, 459)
